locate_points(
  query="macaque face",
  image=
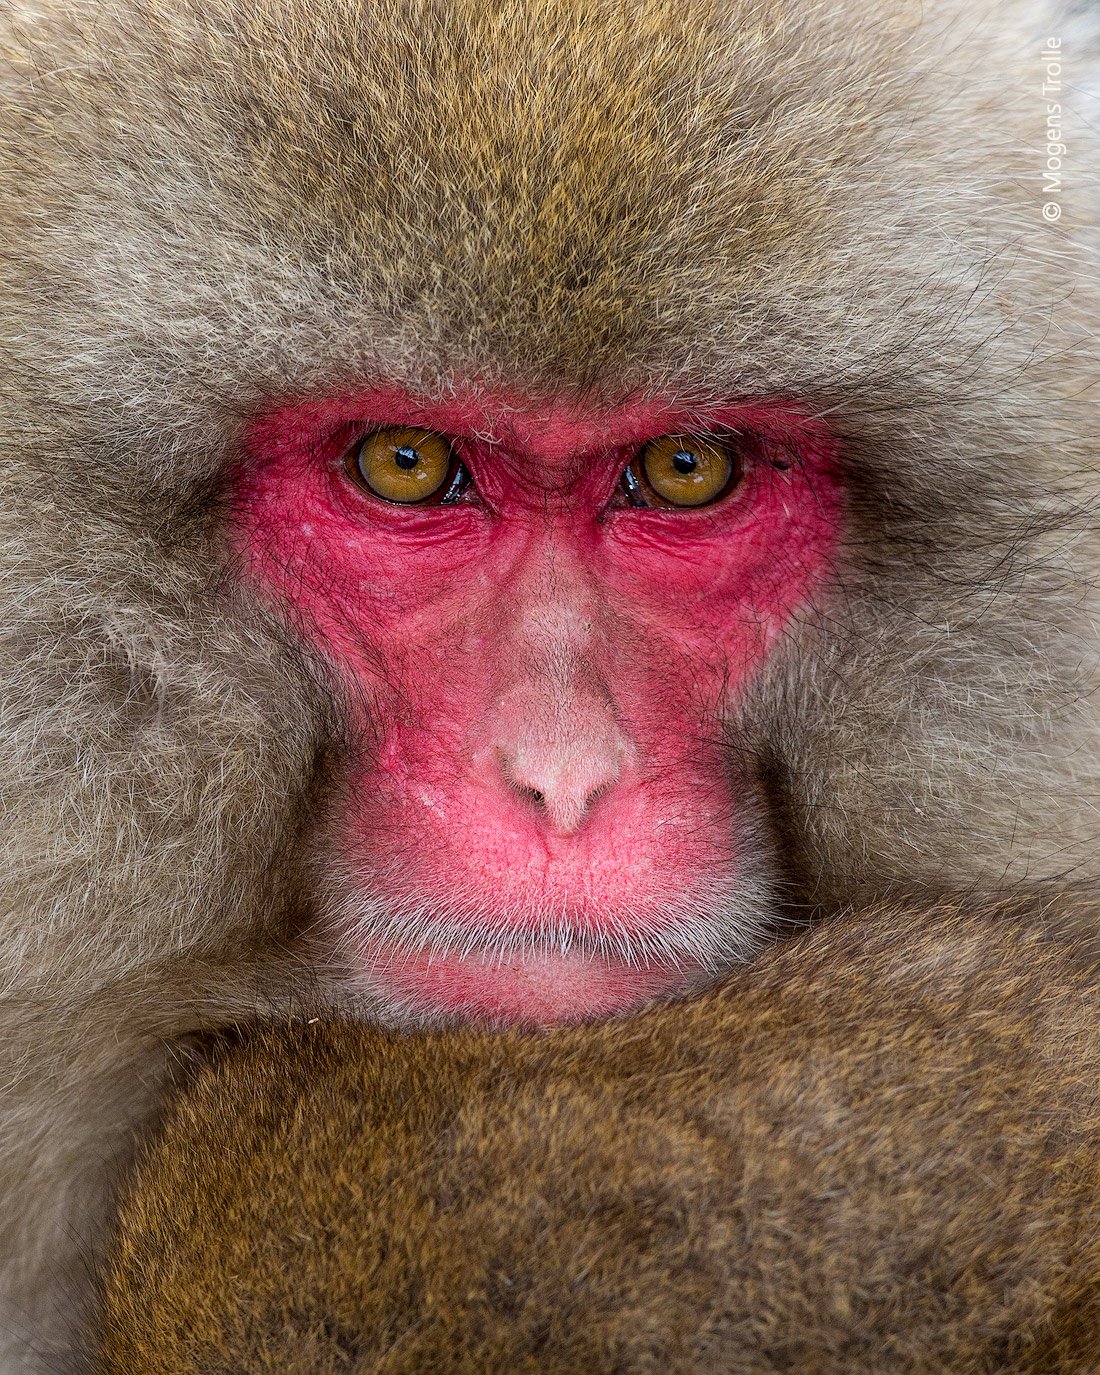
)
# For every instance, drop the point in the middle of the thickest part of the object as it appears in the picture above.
(541, 624)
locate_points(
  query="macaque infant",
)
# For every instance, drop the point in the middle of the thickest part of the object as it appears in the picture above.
(876, 1150)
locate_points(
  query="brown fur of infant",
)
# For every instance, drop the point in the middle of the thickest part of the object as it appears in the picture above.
(875, 1150)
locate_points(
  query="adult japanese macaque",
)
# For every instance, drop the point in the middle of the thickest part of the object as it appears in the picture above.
(503, 507)
(872, 1151)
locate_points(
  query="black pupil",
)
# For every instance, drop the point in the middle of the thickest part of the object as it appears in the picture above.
(684, 462)
(406, 458)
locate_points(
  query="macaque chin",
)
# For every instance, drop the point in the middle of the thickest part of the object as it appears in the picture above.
(553, 615)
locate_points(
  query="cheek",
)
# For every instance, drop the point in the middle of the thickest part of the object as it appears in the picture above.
(725, 596)
(366, 599)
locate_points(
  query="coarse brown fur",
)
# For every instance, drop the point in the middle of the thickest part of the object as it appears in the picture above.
(207, 205)
(874, 1152)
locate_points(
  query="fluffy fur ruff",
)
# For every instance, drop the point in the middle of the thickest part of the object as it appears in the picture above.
(873, 1151)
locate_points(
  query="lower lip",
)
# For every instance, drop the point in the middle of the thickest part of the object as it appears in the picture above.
(531, 990)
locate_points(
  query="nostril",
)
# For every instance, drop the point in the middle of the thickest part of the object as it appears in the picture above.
(563, 808)
(595, 795)
(562, 780)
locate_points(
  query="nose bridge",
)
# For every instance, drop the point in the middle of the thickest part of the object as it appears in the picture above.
(557, 738)
(557, 654)
(556, 622)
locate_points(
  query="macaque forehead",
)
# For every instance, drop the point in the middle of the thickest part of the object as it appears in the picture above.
(576, 195)
(560, 191)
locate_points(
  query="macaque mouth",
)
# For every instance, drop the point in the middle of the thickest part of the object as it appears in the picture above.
(444, 958)
(540, 621)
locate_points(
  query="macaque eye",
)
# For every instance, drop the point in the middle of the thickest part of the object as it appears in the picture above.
(682, 470)
(406, 466)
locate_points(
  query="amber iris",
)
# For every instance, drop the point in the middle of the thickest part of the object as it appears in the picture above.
(684, 470)
(402, 464)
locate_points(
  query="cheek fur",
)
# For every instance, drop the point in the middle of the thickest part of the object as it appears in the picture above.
(547, 826)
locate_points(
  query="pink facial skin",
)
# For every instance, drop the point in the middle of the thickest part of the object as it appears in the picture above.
(544, 827)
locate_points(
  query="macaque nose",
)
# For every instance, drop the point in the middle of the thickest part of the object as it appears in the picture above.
(561, 762)
(565, 777)
(556, 736)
